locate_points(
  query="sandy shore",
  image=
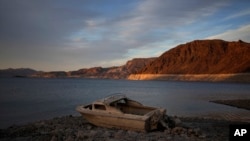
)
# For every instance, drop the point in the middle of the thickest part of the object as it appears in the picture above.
(70, 128)
(239, 103)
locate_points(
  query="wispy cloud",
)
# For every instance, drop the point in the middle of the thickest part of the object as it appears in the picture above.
(68, 35)
(244, 12)
(241, 33)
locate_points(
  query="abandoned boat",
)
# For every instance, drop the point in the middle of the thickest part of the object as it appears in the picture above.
(118, 111)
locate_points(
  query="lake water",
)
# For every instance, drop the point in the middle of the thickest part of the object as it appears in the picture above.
(24, 100)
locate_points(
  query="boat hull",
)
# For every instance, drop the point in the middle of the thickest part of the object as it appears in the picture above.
(117, 122)
(143, 123)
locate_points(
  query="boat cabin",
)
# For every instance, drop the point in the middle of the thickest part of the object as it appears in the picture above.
(119, 104)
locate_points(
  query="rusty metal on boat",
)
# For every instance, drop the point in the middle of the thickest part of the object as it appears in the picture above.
(118, 111)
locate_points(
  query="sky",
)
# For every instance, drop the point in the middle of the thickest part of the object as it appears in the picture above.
(55, 35)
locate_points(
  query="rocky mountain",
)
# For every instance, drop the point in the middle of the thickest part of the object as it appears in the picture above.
(98, 72)
(203, 57)
(199, 60)
(22, 72)
(52, 74)
(120, 72)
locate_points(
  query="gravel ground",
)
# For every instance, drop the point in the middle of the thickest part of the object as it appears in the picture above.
(70, 128)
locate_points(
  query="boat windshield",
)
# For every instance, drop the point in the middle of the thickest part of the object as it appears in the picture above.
(113, 99)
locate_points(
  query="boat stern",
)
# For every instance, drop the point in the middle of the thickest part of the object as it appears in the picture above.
(154, 118)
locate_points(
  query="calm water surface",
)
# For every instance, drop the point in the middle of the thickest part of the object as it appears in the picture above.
(25, 100)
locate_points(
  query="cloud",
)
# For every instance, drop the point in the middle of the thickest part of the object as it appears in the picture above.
(154, 21)
(40, 21)
(73, 34)
(150, 21)
(241, 33)
(244, 12)
(153, 24)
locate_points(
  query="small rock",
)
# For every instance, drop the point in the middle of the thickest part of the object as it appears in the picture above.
(106, 134)
(54, 138)
(81, 135)
(69, 131)
(177, 130)
(203, 136)
(132, 133)
(161, 139)
(167, 131)
(197, 131)
(70, 138)
(20, 139)
(93, 133)
(190, 131)
(169, 138)
(112, 140)
(89, 127)
(173, 122)
(119, 134)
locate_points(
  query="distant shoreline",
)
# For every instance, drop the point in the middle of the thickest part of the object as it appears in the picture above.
(236, 77)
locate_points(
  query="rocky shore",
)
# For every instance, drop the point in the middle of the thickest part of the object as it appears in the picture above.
(76, 128)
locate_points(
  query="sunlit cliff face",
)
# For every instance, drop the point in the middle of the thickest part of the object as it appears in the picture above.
(203, 57)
